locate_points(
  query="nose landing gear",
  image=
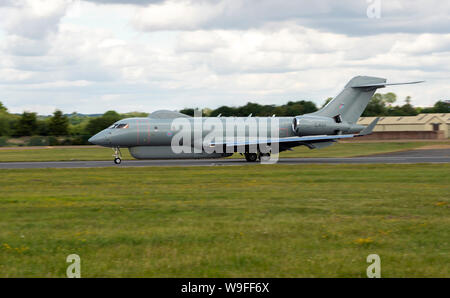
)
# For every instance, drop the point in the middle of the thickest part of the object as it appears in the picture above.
(117, 155)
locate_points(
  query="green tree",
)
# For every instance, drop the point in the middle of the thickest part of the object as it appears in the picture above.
(409, 110)
(58, 124)
(292, 108)
(223, 110)
(4, 125)
(390, 97)
(3, 108)
(75, 118)
(408, 99)
(404, 110)
(27, 125)
(299, 108)
(439, 107)
(381, 105)
(5, 121)
(42, 127)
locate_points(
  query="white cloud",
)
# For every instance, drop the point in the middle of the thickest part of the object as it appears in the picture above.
(33, 19)
(176, 15)
(20, 46)
(93, 59)
(198, 41)
(344, 16)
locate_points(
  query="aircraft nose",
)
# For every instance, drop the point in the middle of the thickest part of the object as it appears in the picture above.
(98, 139)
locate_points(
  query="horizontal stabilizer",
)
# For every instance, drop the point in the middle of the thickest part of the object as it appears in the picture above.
(368, 130)
(382, 85)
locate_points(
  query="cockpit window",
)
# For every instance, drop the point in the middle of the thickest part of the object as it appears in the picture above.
(119, 125)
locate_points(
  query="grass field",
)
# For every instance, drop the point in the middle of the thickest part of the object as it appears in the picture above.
(93, 153)
(258, 221)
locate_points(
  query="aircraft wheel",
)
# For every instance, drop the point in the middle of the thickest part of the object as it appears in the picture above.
(251, 157)
(117, 160)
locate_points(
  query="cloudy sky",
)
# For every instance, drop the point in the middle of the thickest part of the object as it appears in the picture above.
(92, 56)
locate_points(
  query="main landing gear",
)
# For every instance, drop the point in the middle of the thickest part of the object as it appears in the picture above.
(252, 157)
(117, 155)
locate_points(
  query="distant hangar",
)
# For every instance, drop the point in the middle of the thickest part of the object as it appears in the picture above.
(422, 126)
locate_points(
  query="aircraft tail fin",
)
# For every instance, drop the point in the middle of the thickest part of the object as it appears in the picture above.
(352, 101)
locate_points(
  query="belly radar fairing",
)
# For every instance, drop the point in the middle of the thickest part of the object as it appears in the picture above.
(167, 134)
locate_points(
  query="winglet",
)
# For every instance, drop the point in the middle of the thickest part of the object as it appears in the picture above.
(368, 130)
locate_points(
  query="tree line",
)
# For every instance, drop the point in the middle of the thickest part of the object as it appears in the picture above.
(383, 105)
(57, 129)
(79, 127)
(379, 105)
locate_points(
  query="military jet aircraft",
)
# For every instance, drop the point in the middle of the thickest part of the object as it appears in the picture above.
(153, 137)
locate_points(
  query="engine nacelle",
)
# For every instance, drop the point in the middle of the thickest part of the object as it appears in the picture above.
(318, 125)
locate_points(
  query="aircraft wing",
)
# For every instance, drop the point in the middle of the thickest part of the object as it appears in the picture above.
(293, 140)
(256, 141)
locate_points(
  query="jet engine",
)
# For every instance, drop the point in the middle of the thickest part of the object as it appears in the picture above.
(315, 125)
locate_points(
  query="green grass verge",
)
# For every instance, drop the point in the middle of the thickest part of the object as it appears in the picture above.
(249, 221)
(59, 154)
(353, 149)
(92, 153)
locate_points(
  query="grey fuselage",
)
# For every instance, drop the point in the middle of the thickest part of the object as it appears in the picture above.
(151, 138)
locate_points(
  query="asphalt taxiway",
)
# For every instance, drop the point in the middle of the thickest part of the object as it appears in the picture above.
(403, 157)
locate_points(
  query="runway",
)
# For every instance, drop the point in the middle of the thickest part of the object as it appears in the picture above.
(404, 157)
